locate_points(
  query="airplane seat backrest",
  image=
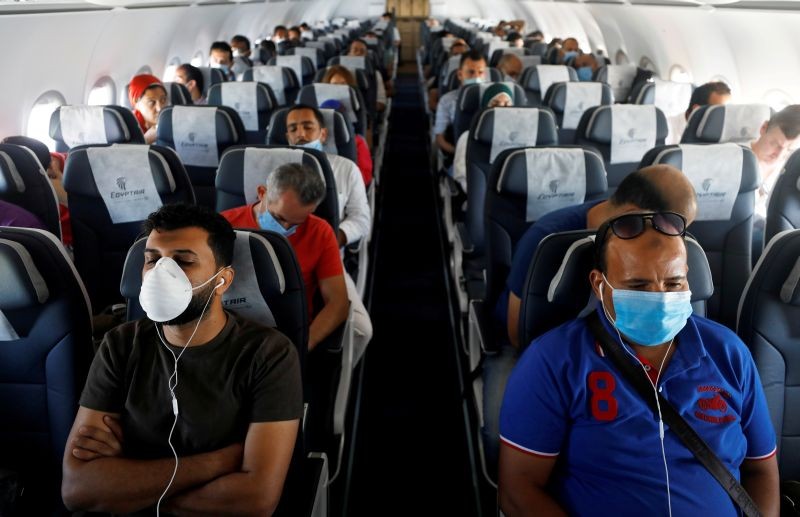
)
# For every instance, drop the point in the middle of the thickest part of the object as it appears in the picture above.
(783, 207)
(327, 48)
(71, 126)
(498, 54)
(268, 287)
(302, 66)
(282, 80)
(492, 75)
(317, 56)
(493, 131)
(354, 105)
(536, 80)
(722, 123)
(341, 137)
(557, 287)
(243, 168)
(354, 63)
(669, 96)
(622, 134)
(725, 178)
(177, 94)
(111, 191)
(469, 103)
(200, 134)
(767, 323)
(538, 48)
(569, 100)
(23, 182)
(211, 76)
(253, 101)
(45, 352)
(525, 184)
(621, 78)
(366, 86)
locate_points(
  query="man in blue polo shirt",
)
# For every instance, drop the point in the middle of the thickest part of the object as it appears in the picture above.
(577, 438)
(657, 187)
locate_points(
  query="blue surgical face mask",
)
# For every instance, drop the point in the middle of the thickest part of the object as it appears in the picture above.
(267, 222)
(649, 318)
(473, 80)
(314, 144)
(585, 73)
(569, 55)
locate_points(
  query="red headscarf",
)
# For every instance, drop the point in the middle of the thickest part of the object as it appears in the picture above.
(138, 85)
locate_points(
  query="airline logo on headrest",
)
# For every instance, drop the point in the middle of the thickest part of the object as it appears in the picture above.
(123, 192)
(554, 186)
(121, 182)
(743, 132)
(707, 184)
(192, 136)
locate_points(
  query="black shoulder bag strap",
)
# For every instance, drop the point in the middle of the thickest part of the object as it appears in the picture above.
(638, 378)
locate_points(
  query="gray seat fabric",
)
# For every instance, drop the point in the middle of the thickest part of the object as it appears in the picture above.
(211, 76)
(595, 130)
(290, 83)
(557, 287)
(308, 96)
(530, 82)
(120, 127)
(42, 371)
(556, 100)
(265, 104)
(24, 183)
(707, 124)
(769, 324)
(340, 132)
(308, 69)
(783, 208)
(727, 243)
(469, 103)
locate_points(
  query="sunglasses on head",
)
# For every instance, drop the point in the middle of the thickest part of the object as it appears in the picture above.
(630, 226)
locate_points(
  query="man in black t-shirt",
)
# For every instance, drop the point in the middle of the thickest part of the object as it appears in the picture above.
(231, 412)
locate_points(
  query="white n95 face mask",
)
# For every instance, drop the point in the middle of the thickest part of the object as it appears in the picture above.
(166, 290)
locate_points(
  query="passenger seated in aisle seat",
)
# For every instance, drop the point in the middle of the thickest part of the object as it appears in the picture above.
(498, 95)
(148, 97)
(778, 138)
(472, 70)
(585, 65)
(234, 415)
(285, 204)
(293, 34)
(363, 156)
(305, 127)
(458, 48)
(567, 403)
(280, 34)
(358, 48)
(515, 40)
(221, 56)
(708, 94)
(13, 215)
(655, 188)
(510, 65)
(192, 78)
(241, 50)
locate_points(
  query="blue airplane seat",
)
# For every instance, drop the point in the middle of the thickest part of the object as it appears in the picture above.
(253, 101)
(71, 126)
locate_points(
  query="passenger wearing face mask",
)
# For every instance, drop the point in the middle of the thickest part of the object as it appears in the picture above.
(225, 392)
(472, 70)
(510, 65)
(305, 127)
(241, 51)
(148, 97)
(285, 204)
(221, 56)
(498, 95)
(570, 49)
(568, 404)
(585, 65)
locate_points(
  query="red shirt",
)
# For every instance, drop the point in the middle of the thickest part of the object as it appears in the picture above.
(314, 244)
(363, 159)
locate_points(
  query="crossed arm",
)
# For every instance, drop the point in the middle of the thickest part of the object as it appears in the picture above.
(234, 480)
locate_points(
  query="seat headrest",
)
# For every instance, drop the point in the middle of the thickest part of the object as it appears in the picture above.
(600, 128)
(790, 294)
(729, 122)
(211, 76)
(506, 128)
(248, 98)
(23, 284)
(178, 94)
(86, 125)
(544, 76)
(196, 132)
(572, 275)
(11, 180)
(38, 148)
(619, 77)
(257, 267)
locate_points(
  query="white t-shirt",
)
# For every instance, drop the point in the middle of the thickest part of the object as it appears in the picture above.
(355, 217)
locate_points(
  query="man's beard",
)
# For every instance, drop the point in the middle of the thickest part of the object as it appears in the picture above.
(195, 308)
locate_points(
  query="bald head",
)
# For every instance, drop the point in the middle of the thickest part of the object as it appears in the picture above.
(678, 194)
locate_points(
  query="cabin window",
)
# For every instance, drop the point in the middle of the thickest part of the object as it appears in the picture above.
(197, 60)
(103, 92)
(145, 70)
(679, 75)
(169, 72)
(39, 118)
(621, 58)
(777, 99)
(647, 64)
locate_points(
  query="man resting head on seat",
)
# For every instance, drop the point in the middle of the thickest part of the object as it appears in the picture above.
(778, 138)
(285, 205)
(192, 78)
(472, 70)
(233, 417)
(305, 127)
(568, 403)
(708, 94)
(220, 55)
(148, 97)
(510, 65)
